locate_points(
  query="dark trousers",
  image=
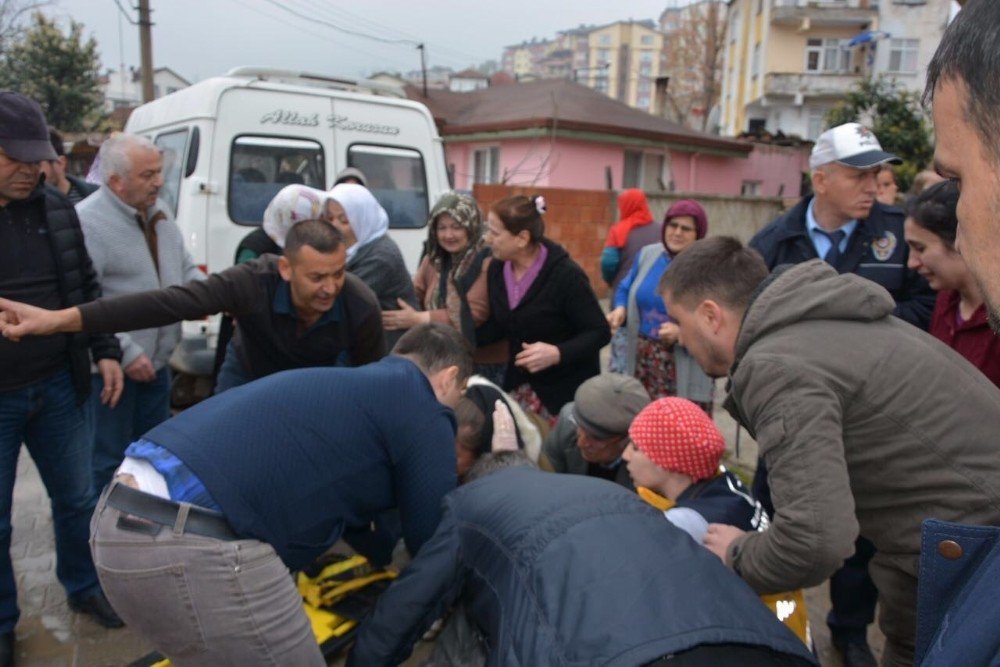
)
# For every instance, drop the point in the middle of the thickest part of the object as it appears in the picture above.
(853, 596)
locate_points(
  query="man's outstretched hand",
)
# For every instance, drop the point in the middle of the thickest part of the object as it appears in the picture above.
(19, 319)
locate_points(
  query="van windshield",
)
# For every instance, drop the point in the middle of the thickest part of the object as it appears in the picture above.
(261, 166)
(397, 178)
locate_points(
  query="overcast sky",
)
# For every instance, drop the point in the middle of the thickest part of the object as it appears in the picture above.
(203, 38)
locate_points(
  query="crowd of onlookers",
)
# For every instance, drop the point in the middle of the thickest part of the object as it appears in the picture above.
(853, 334)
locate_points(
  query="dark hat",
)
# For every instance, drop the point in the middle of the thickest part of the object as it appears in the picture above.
(24, 134)
(605, 405)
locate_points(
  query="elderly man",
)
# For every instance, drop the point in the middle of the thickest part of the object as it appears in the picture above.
(958, 610)
(43, 382)
(135, 246)
(298, 310)
(567, 570)
(593, 429)
(867, 425)
(846, 226)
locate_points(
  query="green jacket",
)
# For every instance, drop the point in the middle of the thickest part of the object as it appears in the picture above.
(865, 422)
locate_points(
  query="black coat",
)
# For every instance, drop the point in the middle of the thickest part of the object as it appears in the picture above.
(567, 570)
(786, 241)
(77, 279)
(559, 308)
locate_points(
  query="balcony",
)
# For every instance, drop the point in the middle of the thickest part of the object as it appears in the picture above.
(807, 14)
(806, 85)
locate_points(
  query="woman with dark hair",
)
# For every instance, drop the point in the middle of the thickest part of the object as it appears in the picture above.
(652, 354)
(959, 318)
(542, 303)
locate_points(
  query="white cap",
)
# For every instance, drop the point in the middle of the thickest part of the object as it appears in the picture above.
(852, 145)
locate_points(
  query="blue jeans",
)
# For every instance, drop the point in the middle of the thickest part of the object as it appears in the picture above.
(46, 418)
(143, 405)
(231, 374)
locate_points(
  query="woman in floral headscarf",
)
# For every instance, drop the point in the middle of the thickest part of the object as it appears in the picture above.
(451, 280)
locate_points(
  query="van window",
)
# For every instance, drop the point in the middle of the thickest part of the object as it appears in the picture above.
(171, 144)
(397, 178)
(261, 166)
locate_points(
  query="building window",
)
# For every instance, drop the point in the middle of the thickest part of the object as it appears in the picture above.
(646, 40)
(827, 55)
(644, 170)
(755, 60)
(603, 56)
(643, 102)
(486, 165)
(903, 55)
(601, 83)
(750, 188)
(604, 40)
(815, 123)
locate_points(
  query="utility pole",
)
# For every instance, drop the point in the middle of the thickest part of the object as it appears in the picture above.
(423, 67)
(146, 49)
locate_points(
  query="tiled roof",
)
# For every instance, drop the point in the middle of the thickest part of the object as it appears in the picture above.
(557, 103)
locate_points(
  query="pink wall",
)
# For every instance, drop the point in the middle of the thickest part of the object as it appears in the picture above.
(581, 165)
(773, 166)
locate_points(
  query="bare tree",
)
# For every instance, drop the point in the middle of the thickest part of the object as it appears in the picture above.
(13, 15)
(693, 61)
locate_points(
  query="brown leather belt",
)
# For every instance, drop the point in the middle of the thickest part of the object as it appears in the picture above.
(200, 521)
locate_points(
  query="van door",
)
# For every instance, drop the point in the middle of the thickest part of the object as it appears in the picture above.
(391, 144)
(181, 149)
(264, 141)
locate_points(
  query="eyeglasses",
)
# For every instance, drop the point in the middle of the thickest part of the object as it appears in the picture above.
(676, 226)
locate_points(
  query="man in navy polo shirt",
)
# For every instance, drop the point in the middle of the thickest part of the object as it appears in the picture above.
(194, 539)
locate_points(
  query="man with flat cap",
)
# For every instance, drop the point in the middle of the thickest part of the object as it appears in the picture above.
(843, 224)
(592, 431)
(45, 380)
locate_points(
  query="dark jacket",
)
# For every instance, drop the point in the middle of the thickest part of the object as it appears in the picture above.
(559, 308)
(957, 610)
(268, 338)
(83, 187)
(380, 265)
(724, 499)
(563, 454)
(77, 280)
(299, 458)
(876, 251)
(566, 570)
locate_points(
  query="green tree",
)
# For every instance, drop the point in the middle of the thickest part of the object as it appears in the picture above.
(897, 119)
(60, 71)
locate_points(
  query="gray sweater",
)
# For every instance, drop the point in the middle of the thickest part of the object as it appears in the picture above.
(121, 258)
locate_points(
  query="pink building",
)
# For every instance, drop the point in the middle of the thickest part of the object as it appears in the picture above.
(556, 133)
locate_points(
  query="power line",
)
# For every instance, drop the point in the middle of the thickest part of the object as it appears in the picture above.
(124, 13)
(342, 29)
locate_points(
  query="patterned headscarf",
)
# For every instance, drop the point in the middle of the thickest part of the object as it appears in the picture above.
(293, 203)
(365, 215)
(457, 272)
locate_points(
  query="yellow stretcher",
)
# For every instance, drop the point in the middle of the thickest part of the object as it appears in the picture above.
(790, 607)
(337, 592)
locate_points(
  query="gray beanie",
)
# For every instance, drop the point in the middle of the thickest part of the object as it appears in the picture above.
(605, 405)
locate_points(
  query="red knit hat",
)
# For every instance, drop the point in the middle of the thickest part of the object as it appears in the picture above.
(677, 435)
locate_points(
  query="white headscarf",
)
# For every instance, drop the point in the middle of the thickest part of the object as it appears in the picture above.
(366, 216)
(293, 203)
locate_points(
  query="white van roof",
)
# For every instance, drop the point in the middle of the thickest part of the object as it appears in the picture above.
(201, 100)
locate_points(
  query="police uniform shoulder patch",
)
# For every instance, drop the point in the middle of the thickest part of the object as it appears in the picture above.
(883, 248)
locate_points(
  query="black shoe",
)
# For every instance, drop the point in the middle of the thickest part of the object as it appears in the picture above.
(855, 653)
(98, 608)
(7, 649)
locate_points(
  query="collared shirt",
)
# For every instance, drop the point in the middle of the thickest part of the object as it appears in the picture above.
(183, 485)
(819, 240)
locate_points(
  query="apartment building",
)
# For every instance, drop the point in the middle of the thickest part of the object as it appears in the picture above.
(620, 59)
(788, 62)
